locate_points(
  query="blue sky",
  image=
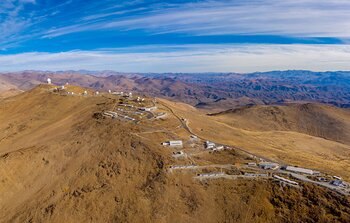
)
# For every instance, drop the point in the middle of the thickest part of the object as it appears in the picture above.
(175, 36)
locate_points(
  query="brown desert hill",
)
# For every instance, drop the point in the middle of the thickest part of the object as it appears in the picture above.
(221, 104)
(9, 93)
(288, 147)
(4, 85)
(7, 89)
(313, 119)
(60, 161)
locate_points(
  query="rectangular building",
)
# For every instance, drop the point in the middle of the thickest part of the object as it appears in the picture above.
(301, 170)
(148, 108)
(268, 165)
(175, 143)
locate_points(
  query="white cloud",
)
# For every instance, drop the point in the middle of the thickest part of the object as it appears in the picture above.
(188, 58)
(302, 18)
(298, 18)
(12, 23)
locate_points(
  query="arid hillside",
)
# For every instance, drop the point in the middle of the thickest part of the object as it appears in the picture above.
(287, 146)
(7, 89)
(61, 160)
(4, 86)
(313, 119)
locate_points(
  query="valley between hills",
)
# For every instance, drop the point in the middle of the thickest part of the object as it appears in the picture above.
(92, 157)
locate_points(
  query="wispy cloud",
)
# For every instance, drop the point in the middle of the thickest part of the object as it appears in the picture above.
(188, 58)
(22, 21)
(303, 18)
(11, 23)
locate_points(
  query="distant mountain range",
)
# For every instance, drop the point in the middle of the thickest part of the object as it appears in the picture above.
(204, 90)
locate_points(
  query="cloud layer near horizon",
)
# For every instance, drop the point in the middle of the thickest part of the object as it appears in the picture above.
(188, 58)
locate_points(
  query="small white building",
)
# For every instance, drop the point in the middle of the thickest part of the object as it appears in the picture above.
(256, 174)
(110, 114)
(49, 80)
(209, 145)
(268, 165)
(337, 178)
(173, 143)
(126, 105)
(218, 148)
(219, 174)
(176, 143)
(301, 170)
(148, 108)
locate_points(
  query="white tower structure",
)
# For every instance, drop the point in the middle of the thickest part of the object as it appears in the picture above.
(49, 80)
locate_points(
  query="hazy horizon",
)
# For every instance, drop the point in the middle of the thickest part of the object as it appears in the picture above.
(84, 71)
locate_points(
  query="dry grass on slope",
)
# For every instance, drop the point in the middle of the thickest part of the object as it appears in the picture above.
(283, 146)
(7, 89)
(61, 163)
(313, 119)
